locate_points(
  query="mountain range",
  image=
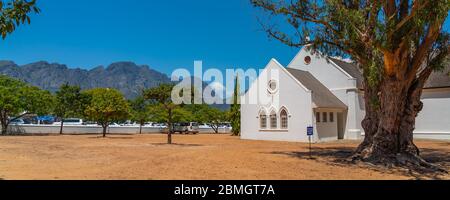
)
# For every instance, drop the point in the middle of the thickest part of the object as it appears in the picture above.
(127, 77)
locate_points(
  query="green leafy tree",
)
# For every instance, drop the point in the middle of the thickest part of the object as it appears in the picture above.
(18, 99)
(70, 102)
(105, 106)
(140, 111)
(397, 44)
(204, 113)
(166, 110)
(215, 117)
(14, 13)
(235, 111)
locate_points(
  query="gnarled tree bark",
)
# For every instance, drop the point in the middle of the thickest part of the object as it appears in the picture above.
(389, 126)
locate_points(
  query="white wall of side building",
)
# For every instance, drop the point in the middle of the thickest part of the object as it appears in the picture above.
(433, 122)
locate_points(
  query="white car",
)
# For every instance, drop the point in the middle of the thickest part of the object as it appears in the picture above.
(204, 125)
(114, 124)
(159, 125)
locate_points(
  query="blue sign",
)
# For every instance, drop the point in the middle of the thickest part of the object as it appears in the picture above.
(310, 131)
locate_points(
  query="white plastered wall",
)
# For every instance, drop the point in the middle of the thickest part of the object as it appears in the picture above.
(433, 122)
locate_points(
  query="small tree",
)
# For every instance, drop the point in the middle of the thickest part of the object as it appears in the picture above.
(18, 99)
(140, 111)
(235, 111)
(204, 113)
(215, 118)
(161, 100)
(105, 106)
(13, 13)
(70, 102)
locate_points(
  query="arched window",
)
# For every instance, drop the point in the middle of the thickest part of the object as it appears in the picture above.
(284, 119)
(273, 120)
(262, 120)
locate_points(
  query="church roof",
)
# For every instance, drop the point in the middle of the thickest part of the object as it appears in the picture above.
(321, 95)
(437, 79)
(351, 69)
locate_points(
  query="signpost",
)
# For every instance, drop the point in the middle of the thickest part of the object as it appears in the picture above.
(310, 133)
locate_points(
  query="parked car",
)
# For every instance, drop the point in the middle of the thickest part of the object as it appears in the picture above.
(17, 122)
(225, 125)
(204, 126)
(186, 127)
(129, 123)
(90, 123)
(159, 125)
(114, 124)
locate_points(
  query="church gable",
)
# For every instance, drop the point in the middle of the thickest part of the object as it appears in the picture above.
(322, 68)
(273, 73)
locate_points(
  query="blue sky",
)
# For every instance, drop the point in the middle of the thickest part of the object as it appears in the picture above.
(163, 34)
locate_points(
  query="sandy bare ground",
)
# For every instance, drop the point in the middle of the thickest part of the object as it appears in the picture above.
(192, 157)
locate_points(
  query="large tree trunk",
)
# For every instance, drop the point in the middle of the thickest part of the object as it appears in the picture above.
(61, 128)
(389, 124)
(385, 143)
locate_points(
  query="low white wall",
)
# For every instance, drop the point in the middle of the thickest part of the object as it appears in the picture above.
(210, 130)
(432, 136)
(52, 129)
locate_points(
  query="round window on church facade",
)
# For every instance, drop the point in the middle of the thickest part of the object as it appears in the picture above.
(307, 60)
(273, 86)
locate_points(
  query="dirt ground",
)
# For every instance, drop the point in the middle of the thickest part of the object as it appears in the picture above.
(146, 157)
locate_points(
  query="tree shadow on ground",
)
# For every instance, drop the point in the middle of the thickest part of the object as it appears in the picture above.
(341, 157)
(115, 136)
(25, 134)
(337, 155)
(177, 144)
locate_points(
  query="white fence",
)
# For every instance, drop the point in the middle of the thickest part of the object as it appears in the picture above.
(79, 129)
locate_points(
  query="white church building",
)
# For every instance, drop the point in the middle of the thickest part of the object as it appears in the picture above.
(327, 94)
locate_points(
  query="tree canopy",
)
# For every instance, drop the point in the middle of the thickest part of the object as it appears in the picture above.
(18, 99)
(14, 13)
(161, 99)
(105, 106)
(140, 111)
(235, 110)
(204, 113)
(70, 102)
(372, 33)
